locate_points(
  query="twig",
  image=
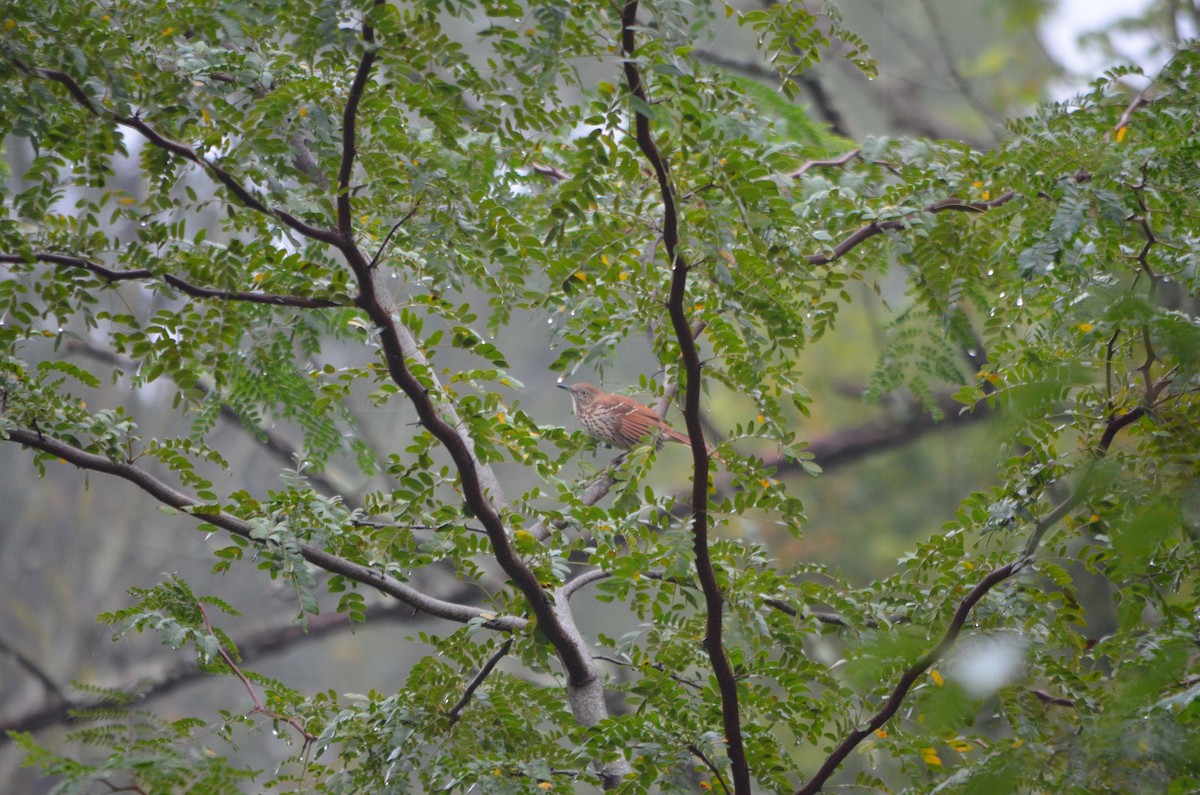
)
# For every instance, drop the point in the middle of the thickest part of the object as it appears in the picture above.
(392, 231)
(259, 707)
(455, 712)
(877, 228)
(716, 773)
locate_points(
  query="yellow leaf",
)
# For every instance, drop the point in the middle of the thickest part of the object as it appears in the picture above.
(968, 565)
(9, 24)
(1085, 327)
(168, 31)
(962, 746)
(303, 111)
(728, 11)
(936, 677)
(604, 258)
(545, 785)
(929, 756)
(623, 276)
(580, 275)
(1121, 133)
(704, 785)
(1094, 517)
(880, 733)
(987, 194)
(126, 201)
(976, 184)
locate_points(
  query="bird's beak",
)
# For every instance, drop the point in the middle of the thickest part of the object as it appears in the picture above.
(563, 386)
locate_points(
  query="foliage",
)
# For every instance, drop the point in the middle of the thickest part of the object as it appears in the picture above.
(337, 198)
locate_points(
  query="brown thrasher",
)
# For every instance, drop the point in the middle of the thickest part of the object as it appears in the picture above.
(617, 420)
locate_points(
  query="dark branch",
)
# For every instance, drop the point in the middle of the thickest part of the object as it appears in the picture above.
(907, 680)
(878, 228)
(349, 127)
(184, 669)
(713, 598)
(994, 578)
(49, 685)
(68, 261)
(455, 712)
(187, 153)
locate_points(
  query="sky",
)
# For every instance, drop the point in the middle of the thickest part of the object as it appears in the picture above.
(1061, 30)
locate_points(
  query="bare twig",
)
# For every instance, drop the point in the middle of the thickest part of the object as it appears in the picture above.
(259, 707)
(48, 684)
(455, 712)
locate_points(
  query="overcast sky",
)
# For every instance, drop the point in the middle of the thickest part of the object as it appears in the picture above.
(1072, 17)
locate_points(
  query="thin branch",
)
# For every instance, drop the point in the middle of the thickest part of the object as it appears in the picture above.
(961, 613)
(184, 669)
(907, 679)
(716, 772)
(387, 238)
(48, 684)
(722, 670)
(1142, 98)
(318, 557)
(69, 261)
(259, 707)
(455, 712)
(874, 228)
(187, 153)
(345, 220)
(1050, 698)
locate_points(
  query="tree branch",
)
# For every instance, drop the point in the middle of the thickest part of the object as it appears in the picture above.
(318, 557)
(993, 578)
(455, 712)
(345, 222)
(713, 598)
(69, 261)
(184, 669)
(851, 241)
(187, 153)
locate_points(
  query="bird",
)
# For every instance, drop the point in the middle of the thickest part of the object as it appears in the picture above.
(617, 420)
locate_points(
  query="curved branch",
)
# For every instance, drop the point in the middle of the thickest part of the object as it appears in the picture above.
(240, 527)
(187, 153)
(69, 261)
(1114, 426)
(713, 598)
(862, 234)
(907, 679)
